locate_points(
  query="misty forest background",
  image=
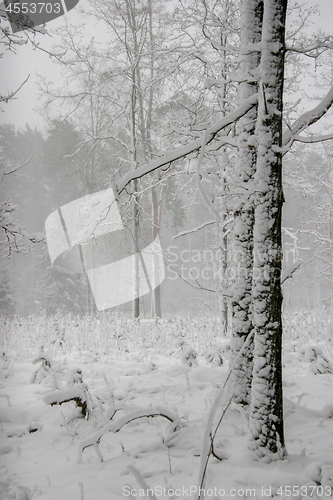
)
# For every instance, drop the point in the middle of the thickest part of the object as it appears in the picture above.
(94, 134)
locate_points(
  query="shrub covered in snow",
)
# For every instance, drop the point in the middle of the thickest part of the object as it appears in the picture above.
(189, 355)
(76, 391)
(44, 369)
(319, 361)
(321, 473)
(214, 357)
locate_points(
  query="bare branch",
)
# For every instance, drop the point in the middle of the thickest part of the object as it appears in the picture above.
(200, 287)
(290, 273)
(13, 94)
(18, 168)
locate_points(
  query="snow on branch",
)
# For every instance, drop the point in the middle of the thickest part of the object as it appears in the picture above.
(13, 237)
(75, 394)
(312, 139)
(314, 50)
(194, 230)
(156, 411)
(183, 151)
(306, 119)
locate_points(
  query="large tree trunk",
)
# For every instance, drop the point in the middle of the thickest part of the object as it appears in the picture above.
(266, 415)
(251, 25)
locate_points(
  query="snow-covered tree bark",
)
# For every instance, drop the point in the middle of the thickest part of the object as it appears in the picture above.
(266, 415)
(251, 25)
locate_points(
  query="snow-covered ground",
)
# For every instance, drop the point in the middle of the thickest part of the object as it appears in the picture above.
(124, 369)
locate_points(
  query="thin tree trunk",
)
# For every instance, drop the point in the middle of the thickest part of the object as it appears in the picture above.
(136, 216)
(134, 59)
(157, 312)
(266, 415)
(251, 26)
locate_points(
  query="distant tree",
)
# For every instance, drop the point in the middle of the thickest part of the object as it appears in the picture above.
(310, 174)
(114, 100)
(37, 188)
(7, 296)
(56, 291)
(20, 160)
(64, 179)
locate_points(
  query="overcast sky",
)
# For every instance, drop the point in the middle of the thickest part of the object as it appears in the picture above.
(15, 69)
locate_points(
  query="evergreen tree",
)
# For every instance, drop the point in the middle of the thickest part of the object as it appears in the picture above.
(7, 297)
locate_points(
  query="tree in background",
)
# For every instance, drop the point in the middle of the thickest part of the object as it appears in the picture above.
(309, 174)
(116, 99)
(7, 295)
(36, 189)
(20, 153)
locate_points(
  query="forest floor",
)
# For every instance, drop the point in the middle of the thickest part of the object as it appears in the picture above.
(39, 444)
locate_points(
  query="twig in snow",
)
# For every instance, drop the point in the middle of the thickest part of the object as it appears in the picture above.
(94, 440)
(75, 394)
(169, 457)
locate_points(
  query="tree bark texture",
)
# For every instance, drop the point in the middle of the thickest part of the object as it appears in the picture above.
(251, 27)
(266, 413)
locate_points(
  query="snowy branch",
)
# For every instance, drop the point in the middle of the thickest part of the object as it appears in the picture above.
(306, 119)
(116, 426)
(194, 230)
(13, 236)
(65, 396)
(183, 151)
(224, 141)
(314, 50)
(312, 139)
